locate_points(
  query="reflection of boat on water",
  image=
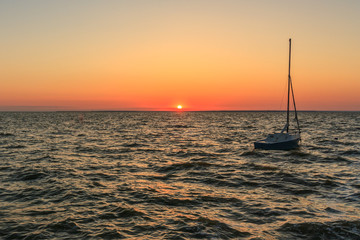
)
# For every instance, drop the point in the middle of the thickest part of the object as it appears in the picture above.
(283, 140)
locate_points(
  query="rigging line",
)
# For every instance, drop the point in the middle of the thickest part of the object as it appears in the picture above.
(293, 97)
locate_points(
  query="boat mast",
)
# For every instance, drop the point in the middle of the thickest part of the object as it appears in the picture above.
(288, 100)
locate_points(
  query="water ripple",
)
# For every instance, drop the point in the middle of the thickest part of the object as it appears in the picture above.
(169, 175)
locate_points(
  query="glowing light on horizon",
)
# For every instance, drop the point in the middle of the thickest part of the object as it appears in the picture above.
(192, 53)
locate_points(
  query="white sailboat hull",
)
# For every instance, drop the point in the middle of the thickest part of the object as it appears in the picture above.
(279, 141)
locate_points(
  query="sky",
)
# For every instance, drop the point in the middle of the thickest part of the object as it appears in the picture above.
(157, 54)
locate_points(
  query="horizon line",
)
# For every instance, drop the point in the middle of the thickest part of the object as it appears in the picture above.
(175, 110)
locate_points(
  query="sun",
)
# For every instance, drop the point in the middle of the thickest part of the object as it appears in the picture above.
(179, 107)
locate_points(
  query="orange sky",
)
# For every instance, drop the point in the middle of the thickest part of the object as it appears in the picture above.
(154, 55)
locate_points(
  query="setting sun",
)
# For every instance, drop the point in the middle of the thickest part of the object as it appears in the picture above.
(152, 55)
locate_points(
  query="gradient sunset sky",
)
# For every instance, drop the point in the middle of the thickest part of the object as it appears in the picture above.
(156, 54)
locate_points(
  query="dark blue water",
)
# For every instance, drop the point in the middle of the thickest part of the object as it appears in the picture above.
(177, 175)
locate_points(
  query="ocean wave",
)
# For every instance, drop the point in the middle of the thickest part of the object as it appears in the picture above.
(233, 183)
(213, 228)
(219, 199)
(185, 166)
(178, 126)
(134, 145)
(262, 167)
(254, 153)
(318, 230)
(64, 226)
(120, 212)
(188, 154)
(109, 233)
(340, 159)
(352, 152)
(15, 146)
(30, 174)
(173, 201)
(7, 135)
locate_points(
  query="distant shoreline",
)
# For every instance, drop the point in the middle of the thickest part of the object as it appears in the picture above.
(54, 111)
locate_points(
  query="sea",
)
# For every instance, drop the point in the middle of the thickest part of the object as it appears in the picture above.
(177, 175)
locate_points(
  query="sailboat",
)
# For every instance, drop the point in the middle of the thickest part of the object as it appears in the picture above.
(283, 140)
